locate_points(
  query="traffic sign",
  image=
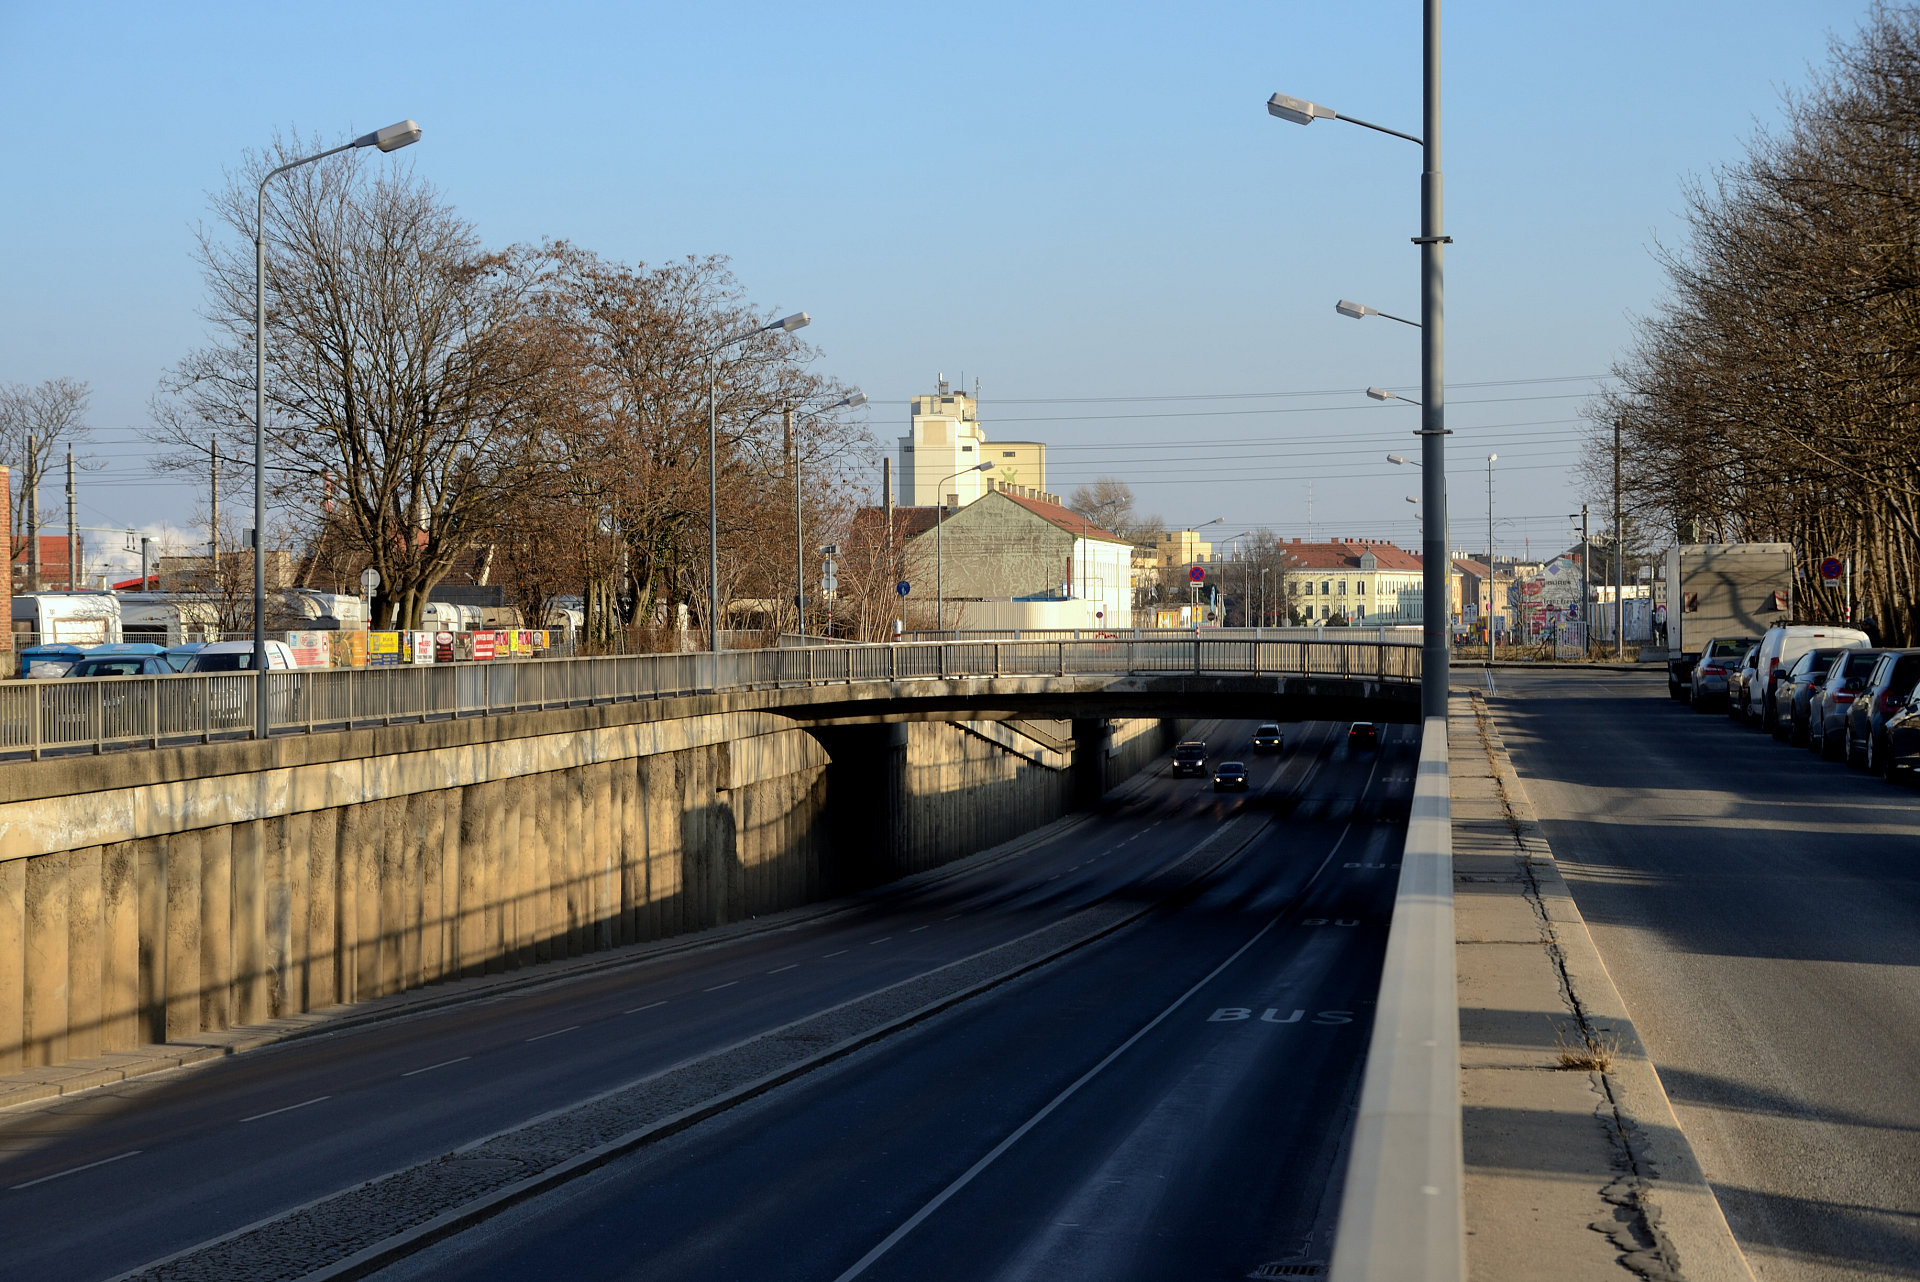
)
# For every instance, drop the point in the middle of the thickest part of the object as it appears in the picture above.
(1197, 575)
(1832, 568)
(903, 587)
(369, 581)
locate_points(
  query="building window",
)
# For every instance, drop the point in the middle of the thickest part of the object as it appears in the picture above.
(1343, 587)
(1006, 454)
(1359, 611)
(1360, 587)
(1326, 588)
(966, 449)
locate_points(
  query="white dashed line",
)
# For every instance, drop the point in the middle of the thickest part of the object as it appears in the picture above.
(555, 1033)
(288, 1109)
(75, 1170)
(442, 1064)
(777, 969)
(917, 929)
(883, 939)
(649, 1006)
(834, 954)
(717, 987)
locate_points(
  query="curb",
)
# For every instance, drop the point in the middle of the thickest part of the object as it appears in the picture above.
(1660, 1183)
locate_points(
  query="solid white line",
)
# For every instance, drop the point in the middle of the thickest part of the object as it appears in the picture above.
(288, 1109)
(777, 969)
(649, 1006)
(442, 1064)
(75, 1170)
(892, 1239)
(555, 1033)
(717, 987)
(833, 954)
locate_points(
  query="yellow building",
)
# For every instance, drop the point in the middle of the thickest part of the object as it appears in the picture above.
(1366, 582)
(1179, 547)
(944, 446)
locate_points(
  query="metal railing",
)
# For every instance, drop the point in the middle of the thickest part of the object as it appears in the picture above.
(1402, 1214)
(79, 713)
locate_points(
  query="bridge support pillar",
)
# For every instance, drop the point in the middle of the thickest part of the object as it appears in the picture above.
(1092, 745)
(867, 794)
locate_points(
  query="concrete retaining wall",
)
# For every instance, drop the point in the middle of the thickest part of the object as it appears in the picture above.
(157, 895)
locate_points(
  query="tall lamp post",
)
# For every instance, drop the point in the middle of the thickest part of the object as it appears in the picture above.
(392, 138)
(1433, 668)
(786, 324)
(1492, 576)
(939, 551)
(852, 400)
(1263, 595)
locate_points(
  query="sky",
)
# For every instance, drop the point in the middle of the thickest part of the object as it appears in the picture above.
(1085, 208)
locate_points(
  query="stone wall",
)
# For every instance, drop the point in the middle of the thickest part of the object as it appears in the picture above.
(158, 895)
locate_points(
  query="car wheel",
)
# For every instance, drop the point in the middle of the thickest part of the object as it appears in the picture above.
(1814, 744)
(1831, 751)
(1796, 734)
(1848, 754)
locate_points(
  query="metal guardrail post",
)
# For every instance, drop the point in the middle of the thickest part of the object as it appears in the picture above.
(153, 712)
(1402, 1212)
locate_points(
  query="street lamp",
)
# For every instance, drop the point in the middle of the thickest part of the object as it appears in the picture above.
(1359, 311)
(852, 400)
(1382, 394)
(1491, 459)
(786, 324)
(939, 525)
(392, 138)
(1263, 594)
(1300, 111)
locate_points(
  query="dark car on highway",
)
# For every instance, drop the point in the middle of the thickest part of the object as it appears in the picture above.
(1230, 776)
(1827, 709)
(1888, 686)
(1363, 734)
(1268, 739)
(1796, 693)
(1190, 758)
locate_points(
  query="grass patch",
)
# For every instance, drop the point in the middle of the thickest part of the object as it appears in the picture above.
(1591, 1053)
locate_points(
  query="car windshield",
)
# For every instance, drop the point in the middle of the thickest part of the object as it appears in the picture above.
(1268, 730)
(1859, 664)
(222, 662)
(106, 668)
(1727, 649)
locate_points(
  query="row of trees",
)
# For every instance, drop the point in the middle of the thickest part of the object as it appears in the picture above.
(534, 411)
(1775, 393)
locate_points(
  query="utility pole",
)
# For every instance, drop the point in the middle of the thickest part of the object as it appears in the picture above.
(73, 531)
(1619, 551)
(33, 516)
(799, 536)
(1492, 575)
(1434, 576)
(213, 522)
(1586, 583)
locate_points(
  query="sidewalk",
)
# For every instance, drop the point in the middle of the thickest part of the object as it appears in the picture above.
(1575, 1165)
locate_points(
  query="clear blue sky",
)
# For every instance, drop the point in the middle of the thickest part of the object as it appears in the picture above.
(1068, 202)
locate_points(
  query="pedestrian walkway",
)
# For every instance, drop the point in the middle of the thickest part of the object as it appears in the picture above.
(1575, 1164)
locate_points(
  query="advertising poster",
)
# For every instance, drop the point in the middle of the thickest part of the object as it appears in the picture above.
(446, 648)
(383, 649)
(350, 649)
(311, 649)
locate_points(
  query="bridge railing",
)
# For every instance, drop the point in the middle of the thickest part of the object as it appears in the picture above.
(98, 713)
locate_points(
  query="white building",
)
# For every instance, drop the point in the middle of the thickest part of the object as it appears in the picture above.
(1011, 560)
(944, 446)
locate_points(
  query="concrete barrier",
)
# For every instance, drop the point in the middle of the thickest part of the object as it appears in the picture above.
(1402, 1215)
(159, 895)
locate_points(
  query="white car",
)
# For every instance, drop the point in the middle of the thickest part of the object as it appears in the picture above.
(237, 656)
(1780, 649)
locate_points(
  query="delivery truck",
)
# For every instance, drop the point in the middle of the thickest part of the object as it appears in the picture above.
(1722, 590)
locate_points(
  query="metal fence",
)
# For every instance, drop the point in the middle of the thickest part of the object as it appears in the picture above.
(97, 713)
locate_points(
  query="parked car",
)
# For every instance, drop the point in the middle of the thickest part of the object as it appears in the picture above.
(1796, 693)
(1828, 708)
(1782, 645)
(1190, 758)
(1707, 684)
(1903, 742)
(1363, 734)
(1268, 738)
(1887, 689)
(1230, 776)
(237, 656)
(179, 655)
(1739, 678)
(122, 665)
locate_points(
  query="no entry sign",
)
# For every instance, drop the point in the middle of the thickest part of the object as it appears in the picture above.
(1831, 569)
(1197, 574)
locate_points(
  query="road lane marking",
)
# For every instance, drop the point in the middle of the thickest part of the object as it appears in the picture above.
(777, 969)
(918, 929)
(288, 1109)
(649, 1006)
(966, 1177)
(555, 1033)
(442, 1064)
(74, 1170)
(833, 954)
(883, 939)
(717, 987)
(950, 918)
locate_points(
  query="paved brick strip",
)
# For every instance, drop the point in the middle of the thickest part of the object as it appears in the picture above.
(357, 1231)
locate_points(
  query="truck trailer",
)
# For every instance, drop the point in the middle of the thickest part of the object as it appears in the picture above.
(1722, 590)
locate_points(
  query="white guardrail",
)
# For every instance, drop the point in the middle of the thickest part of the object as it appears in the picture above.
(101, 712)
(1401, 1215)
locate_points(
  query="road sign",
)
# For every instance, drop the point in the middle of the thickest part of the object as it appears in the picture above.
(1197, 574)
(903, 587)
(1832, 568)
(829, 579)
(369, 581)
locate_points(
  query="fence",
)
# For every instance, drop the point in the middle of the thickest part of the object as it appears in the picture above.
(97, 713)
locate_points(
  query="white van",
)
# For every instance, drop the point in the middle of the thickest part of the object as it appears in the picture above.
(1780, 649)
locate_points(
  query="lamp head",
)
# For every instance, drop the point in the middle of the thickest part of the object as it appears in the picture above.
(1298, 110)
(1382, 394)
(1398, 458)
(787, 324)
(1492, 457)
(1355, 310)
(984, 467)
(392, 138)
(855, 399)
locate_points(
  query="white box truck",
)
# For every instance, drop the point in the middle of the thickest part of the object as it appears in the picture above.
(1722, 590)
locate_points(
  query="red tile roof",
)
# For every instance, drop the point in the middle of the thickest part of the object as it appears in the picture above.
(1345, 554)
(1070, 521)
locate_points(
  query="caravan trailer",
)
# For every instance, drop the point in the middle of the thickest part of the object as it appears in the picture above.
(66, 618)
(167, 618)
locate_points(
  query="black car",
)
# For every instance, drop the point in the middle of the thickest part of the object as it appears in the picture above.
(1903, 742)
(1230, 776)
(1833, 700)
(1268, 739)
(1190, 758)
(1363, 734)
(1797, 691)
(1887, 688)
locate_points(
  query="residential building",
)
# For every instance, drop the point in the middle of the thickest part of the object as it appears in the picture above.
(1179, 547)
(1480, 590)
(1366, 582)
(53, 563)
(1014, 560)
(945, 440)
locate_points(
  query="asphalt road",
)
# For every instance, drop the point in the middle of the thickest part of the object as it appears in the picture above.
(1760, 912)
(101, 1182)
(1169, 1103)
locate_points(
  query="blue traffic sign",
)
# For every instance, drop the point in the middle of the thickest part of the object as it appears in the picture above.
(1197, 574)
(1832, 568)
(903, 587)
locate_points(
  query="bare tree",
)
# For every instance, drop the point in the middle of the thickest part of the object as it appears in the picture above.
(53, 416)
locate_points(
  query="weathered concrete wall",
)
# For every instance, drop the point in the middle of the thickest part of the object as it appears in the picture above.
(195, 889)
